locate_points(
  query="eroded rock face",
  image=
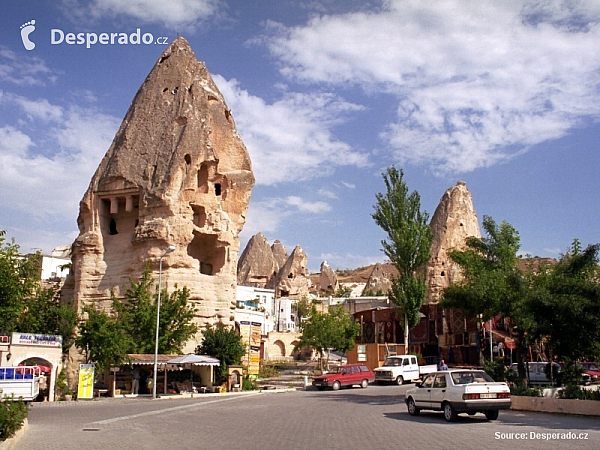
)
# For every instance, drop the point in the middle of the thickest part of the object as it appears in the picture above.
(177, 173)
(279, 253)
(328, 281)
(453, 221)
(381, 278)
(257, 264)
(293, 278)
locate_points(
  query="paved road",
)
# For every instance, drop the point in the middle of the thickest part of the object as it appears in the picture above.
(372, 418)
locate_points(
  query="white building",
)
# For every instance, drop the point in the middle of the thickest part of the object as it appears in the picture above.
(285, 314)
(257, 305)
(56, 265)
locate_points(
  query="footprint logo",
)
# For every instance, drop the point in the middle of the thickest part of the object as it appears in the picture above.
(26, 29)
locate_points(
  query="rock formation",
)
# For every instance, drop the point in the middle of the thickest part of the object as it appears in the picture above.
(257, 264)
(453, 221)
(328, 282)
(177, 174)
(381, 278)
(279, 253)
(293, 278)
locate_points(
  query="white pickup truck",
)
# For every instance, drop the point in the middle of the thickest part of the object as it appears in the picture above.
(21, 382)
(401, 368)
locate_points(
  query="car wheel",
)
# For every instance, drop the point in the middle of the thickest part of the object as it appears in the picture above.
(412, 408)
(364, 383)
(336, 386)
(449, 413)
(491, 414)
(399, 380)
(321, 388)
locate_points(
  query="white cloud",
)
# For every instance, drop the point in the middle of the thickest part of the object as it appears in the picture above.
(49, 183)
(23, 70)
(35, 109)
(477, 82)
(180, 15)
(291, 139)
(309, 207)
(349, 260)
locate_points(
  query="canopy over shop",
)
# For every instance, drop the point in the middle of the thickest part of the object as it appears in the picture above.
(200, 369)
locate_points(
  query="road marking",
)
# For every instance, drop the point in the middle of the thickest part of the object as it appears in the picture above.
(175, 408)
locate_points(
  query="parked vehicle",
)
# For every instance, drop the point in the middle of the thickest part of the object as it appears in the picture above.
(592, 370)
(400, 368)
(537, 372)
(21, 382)
(347, 375)
(456, 391)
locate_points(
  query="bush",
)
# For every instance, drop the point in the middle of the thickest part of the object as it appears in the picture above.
(524, 391)
(12, 415)
(249, 385)
(496, 369)
(572, 391)
(268, 371)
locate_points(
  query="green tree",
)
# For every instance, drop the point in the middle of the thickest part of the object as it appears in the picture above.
(223, 343)
(565, 301)
(491, 282)
(333, 330)
(19, 280)
(408, 246)
(45, 314)
(137, 316)
(343, 291)
(102, 340)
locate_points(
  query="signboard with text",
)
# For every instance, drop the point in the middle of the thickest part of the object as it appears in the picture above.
(85, 389)
(251, 334)
(41, 340)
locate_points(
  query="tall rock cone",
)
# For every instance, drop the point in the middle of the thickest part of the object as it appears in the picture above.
(454, 220)
(257, 264)
(293, 279)
(177, 174)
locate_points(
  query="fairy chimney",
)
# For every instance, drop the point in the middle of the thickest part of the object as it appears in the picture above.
(177, 174)
(454, 220)
(257, 264)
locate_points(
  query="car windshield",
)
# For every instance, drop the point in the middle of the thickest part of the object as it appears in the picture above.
(392, 362)
(475, 376)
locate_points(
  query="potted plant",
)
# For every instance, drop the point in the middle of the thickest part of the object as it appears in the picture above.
(61, 382)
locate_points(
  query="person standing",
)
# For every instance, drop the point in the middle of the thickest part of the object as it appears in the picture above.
(135, 385)
(442, 365)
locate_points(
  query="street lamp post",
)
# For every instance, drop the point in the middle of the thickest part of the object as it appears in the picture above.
(170, 249)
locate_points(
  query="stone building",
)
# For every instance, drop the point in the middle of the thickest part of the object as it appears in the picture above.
(177, 174)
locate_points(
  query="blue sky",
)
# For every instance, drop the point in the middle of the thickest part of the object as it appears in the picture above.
(326, 95)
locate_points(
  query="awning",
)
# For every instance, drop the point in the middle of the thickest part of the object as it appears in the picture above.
(196, 360)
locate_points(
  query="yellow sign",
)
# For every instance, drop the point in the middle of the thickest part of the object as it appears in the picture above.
(85, 389)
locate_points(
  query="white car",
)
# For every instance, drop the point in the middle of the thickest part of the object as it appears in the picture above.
(456, 391)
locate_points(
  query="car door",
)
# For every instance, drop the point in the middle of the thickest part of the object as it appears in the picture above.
(422, 395)
(438, 391)
(410, 369)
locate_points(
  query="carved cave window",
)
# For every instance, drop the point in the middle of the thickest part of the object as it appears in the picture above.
(217, 189)
(188, 159)
(112, 227)
(443, 273)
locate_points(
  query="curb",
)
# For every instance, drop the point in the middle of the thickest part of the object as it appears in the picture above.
(556, 405)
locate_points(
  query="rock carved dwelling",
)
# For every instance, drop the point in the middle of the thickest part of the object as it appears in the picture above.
(177, 173)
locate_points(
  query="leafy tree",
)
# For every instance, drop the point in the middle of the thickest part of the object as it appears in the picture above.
(45, 314)
(408, 246)
(491, 282)
(223, 343)
(19, 280)
(102, 340)
(343, 291)
(332, 330)
(137, 316)
(24, 305)
(301, 309)
(565, 301)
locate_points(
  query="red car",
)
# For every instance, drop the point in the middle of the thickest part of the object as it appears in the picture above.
(592, 369)
(347, 375)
